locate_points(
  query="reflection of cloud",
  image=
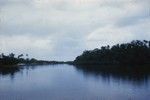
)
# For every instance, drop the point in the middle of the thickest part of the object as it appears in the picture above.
(87, 22)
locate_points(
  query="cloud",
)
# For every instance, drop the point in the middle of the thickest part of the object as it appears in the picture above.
(70, 26)
(108, 36)
(26, 44)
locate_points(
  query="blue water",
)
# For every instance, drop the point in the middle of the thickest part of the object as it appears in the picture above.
(66, 82)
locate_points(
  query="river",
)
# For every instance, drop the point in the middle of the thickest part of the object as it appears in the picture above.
(67, 82)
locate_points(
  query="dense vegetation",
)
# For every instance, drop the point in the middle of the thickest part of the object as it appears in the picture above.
(12, 60)
(136, 52)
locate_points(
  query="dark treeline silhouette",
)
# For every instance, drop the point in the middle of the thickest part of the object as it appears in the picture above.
(11, 59)
(19, 60)
(136, 52)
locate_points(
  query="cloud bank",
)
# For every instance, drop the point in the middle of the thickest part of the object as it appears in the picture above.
(62, 29)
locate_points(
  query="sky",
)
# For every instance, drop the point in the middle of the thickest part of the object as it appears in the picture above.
(63, 29)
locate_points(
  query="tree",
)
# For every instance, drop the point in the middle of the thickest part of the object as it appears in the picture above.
(136, 52)
(19, 56)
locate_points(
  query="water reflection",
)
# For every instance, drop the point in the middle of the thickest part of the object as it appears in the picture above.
(66, 82)
(136, 76)
(11, 71)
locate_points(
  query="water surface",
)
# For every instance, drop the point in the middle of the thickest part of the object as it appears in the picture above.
(67, 82)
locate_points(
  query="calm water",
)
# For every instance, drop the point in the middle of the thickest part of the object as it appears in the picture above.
(66, 82)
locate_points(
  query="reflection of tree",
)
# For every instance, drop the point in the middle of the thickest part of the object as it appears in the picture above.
(9, 71)
(136, 75)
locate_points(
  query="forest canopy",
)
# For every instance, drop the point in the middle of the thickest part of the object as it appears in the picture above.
(11, 59)
(135, 52)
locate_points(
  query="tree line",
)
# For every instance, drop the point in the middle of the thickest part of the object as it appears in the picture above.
(11, 59)
(135, 52)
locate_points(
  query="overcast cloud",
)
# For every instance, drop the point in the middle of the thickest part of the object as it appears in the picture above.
(62, 29)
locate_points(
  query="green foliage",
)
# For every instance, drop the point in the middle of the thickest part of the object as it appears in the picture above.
(8, 60)
(19, 60)
(12, 60)
(136, 52)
